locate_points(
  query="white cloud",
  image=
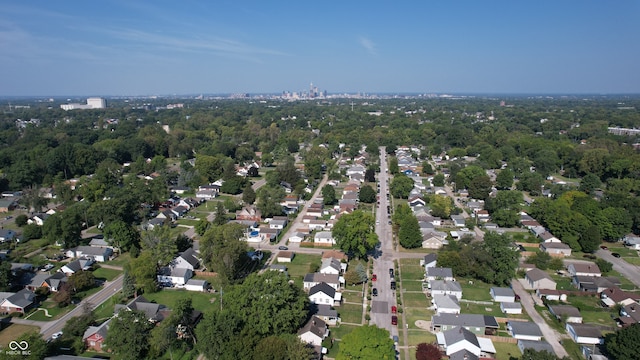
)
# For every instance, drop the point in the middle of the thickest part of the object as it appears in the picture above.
(369, 45)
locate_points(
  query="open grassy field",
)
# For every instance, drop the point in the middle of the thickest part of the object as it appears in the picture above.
(505, 350)
(410, 269)
(350, 313)
(200, 301)
(473, 289)
(415, 300)
(13, 331)
(106, 274)
(301, 265)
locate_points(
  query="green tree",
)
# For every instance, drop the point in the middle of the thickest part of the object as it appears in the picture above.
(464, 176)
(503, 258)
(623, 344)
(366, 342)
(393, 165)
(441, 206)
(128, 335)
(427, 168)
(5, 275)
(438, 180)
(220, 217)
(233, 185)
(370, 175)
(65, 227)
(219, 336)
(143, 269)
(248, 194)
(160, 243)
(128, 285)
(121, 235)
(31, 231)
(590, 239)
(21, 220)
(367, 195)
(589, 183)
(268, 303)
(202, 226)
(409, 233)
(82, 280)
(354, 233)
(223, 251)
(401, 186)
(328, 195)
(604, 265)
(504, 179)
(269, 198)
(480, 187)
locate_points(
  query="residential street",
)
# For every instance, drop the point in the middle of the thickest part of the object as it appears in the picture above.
(627, 270)
(528, 304)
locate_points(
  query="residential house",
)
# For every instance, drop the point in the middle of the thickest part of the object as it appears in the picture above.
(19, 302)
(439, 273)
(556, 249)
(539, 279)
(568, 313)
(98, 254)
(249, 213)
(277, 224)
(511, 307)
(7, 205)
(179, 211)
(95, 336)
(584, 269)
(442, 287)
(285, 256)
(551, 295)
(632, 241)
(167, 215)
(296, 237)
(206, 194)
(458, 221)
(429, 260)
(99, 242)
(323, 293)
(614, 295)
(186, 260)
(476, 323)
(7, 235)
(154, 312)
(324, 238)
(462, 343)
(448, 304)
(53, 282)
(524, 330)
(416, 201)
(548, 237)
(535, 345)
(330, 266)
(483, 216)
(595, 284)
(629, 314)
(196, 285)
(174, 276)
(502, 294)
(82, 264)
(313, 279)
(327, 314)
(38, 219)
(338, 255)
(317, 225)
(584, 333)
(434, 240)
(314, 331)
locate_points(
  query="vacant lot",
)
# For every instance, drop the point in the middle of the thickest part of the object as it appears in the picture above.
(13, 331)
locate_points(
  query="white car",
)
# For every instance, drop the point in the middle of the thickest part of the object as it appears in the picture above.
(56, 335)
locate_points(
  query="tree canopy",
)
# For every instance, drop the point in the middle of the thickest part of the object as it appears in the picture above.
(367, 342)
(355, 233)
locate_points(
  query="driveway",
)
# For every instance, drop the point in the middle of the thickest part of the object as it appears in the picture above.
(550, 334)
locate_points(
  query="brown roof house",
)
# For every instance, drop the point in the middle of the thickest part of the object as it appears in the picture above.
(539, 279)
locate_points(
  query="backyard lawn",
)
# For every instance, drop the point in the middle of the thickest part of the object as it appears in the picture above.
(473, 289)
(200, 301)
(301, 265)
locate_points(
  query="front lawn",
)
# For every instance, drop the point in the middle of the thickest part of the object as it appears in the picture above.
(414, 314)
(13, 331)
(417, 336)
(415, 300)
(107, 274)
(121, 260)
(350, 313)
(51, 308)
(410, 269)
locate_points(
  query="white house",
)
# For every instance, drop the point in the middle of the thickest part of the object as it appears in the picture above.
(584, 333)
(314, 332)
(77, 265)
(442, 287)
(196, 285)
(433, 239)
(324, 238)
(502, 294)
(277, 224)
(511, 307)
(446, 304)
(324, 294)
(327, 314)
(429, 260)
(524, 330)
(584, 269)
(186, 260)
(330, 266)
(313, 279)
(632, 241)
(99, 254)
(439, 273)
(174, 276)
(457, 341)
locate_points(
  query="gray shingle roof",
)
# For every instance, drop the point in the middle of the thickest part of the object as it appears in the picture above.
(525, 328)
(323, 287)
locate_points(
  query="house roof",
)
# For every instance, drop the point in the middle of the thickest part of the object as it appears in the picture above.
(443, 285)
(586, 330)
(189, 256)
(460, 334)
(100, 329)
(326, 310)
(331, 262)
(537, 275)
(151, 310)
(337, 254)
(446, 301)
(324, 288)
(439, 272)
(318, 278)
(195, 282)
(429, 258)
(22, 298)
(471, 320)
(502, 291)
(568, 310)
(616, 294)
(536, 345)
(463, 355)
(588, 268)
(316, 326)
(524, 328)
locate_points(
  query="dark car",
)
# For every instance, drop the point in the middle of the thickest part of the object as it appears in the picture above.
(281, 247)
(391, 272)
(394, 320)
(603, 247)
(615, 255)
(374, 292)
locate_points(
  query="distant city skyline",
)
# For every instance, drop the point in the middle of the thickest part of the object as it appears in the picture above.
(123, 48)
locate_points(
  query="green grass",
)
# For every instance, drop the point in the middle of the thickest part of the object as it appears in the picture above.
(200, 301)
(350, 313)
(121, 260)
(188, 222)
(410, 269)
(302, 265)
(52, 308)
(13, 331)
(572, 348)
(411, 285)
(633, 260)
(563, 282)
(469, 308)
(353, 296)
(477, 290)
(338, 332)
(414, 314)
(108, 274)
(414, 300)
(417, 336)
(505, 350)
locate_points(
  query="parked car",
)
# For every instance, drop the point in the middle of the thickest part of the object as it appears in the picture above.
(374, 292)
(394, 309)
(374, 277)
(394, 320)
(391, 272)
(56, 335)
(281, 247)
(603, 247)
(615, 255)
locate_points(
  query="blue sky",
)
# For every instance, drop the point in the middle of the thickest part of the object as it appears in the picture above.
(54, 48)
